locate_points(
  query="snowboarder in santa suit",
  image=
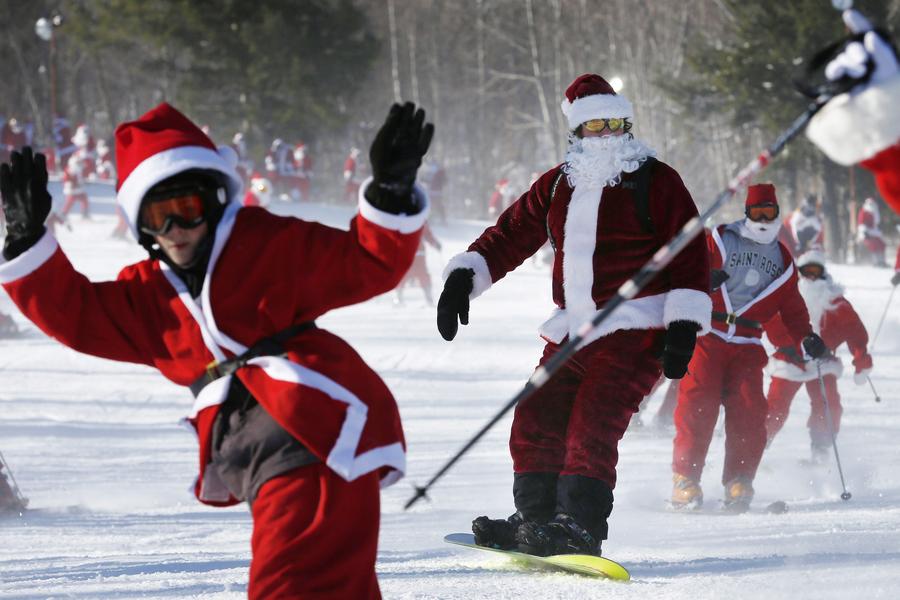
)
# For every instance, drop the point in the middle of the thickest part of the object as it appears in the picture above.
(603, 227)
(834, 319)
(753, 279)
(289, 417)
(861, 126)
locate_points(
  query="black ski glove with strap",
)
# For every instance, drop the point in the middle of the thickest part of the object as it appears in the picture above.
(454, 302)
(396, 154)
(815, 346)
(681, 337)
(26, 202)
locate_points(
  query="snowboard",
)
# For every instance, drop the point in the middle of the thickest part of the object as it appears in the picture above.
(583, 564)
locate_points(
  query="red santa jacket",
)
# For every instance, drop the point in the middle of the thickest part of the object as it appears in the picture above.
(781, 296)
(262, 277)
(837, 323)
(599, 244)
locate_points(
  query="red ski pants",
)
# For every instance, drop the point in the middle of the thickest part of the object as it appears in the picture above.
(572, 425)
(782, 391)
(315, 536)
(721, 373)
(71, 199)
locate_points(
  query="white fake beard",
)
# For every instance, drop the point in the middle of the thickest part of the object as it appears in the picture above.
(597, 162)
(761, 233)
(820, 296)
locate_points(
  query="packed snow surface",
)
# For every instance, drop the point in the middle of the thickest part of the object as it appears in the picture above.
(98, 448)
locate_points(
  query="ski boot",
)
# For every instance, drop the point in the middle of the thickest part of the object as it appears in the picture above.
(738, 495)
(686, 493)
(562, 535)
(497, 533)
(819, 454)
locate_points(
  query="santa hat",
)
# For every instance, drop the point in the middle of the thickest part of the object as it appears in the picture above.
(591, 97)
(813, 257)
(760, 195)
(160, 144)
(82, 136)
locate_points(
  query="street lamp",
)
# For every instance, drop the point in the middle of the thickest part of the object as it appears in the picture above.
(44, 28)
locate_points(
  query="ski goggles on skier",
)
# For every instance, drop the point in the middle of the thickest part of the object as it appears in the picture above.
(812, 271)
(614, 124)
(187, 210)
(763, 212)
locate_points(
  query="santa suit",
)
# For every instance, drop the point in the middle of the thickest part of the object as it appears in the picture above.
(73, 185)
(418, 272)
(836, 322)
(302, 172)
(572, 425)
(351, 180)
(727, 367)
(808, 227)
(321, 392)
(868, 233)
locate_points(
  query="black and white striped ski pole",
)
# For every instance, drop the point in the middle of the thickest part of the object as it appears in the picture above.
(830, 422)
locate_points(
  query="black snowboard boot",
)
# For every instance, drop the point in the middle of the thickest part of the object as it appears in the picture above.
(535, 498)
(562, 535)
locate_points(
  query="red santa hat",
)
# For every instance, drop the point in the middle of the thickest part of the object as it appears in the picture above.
(592, 97)
(761, 194)
(162, 143)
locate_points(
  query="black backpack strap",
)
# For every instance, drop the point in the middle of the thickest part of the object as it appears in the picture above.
(556, 181)
(642, 178)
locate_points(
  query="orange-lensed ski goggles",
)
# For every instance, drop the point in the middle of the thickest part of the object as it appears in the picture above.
(812, 271)
(763, 212)
(614, 124)
(185, 210)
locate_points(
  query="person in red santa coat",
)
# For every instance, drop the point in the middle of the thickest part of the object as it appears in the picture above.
(861, 126)
(260, 191)
(418, 272)
(289, 417)
(73, 186)
(753, 279)
(868, 232)
(834, 319)
(351, 176)
(802, 229)
(606, 210)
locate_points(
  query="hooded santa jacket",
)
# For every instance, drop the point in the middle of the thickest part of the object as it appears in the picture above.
(780, 296)
(600, 243)
(265, 274)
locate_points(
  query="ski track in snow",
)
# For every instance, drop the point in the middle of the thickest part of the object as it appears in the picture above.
(98, 448)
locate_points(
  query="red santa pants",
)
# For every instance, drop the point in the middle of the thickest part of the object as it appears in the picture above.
(782, 391)
(315, 536)
(572, 425)
(721, 373)
(71, 199)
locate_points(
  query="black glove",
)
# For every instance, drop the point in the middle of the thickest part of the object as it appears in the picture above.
(26, 202)
(814, 346)
(454, 302)
(681, 336)
(716, 278)
(396, 154)
(895, 280)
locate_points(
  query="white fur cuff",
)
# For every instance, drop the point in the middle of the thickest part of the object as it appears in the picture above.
(476, 262)
(29, 261)
(684, 304)
(855, 127)
(401, 223)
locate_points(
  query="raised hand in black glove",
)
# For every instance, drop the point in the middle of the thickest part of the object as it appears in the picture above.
(895, 280)
(454, 302)
(814, 346)
(26, 202)
(396, 154)
(681, 336)
(716, 278)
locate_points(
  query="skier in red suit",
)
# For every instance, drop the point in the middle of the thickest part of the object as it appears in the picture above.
(868, 232)
(606, 210)
(861, 126)
(834, 319)
(418, 272)
(73, 186)
(753, 279)
(288, 416)
(351, 177)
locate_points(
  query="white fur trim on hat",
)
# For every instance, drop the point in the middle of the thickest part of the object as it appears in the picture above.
(476, 262)
(598, 106)
(811, 257)
(685, 304)
(401, 223)
(855, 127)
(163, 165)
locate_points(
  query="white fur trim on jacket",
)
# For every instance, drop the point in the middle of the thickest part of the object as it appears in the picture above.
(688, 305)
(785, 370)
(854, 127)
(401, 223)
(29, 261)
(598, 106)
(476, 262)
(163, 165)
(639, 313)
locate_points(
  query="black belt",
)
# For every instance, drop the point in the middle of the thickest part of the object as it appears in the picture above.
(733, 319)
(270, 346)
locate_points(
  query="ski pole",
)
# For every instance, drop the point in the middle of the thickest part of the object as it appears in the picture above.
(883, 315)
(630, 288)
(845, 495)
(871, 385)
(23, 502)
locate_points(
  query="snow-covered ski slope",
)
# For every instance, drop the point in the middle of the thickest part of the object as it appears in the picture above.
(98, 449)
